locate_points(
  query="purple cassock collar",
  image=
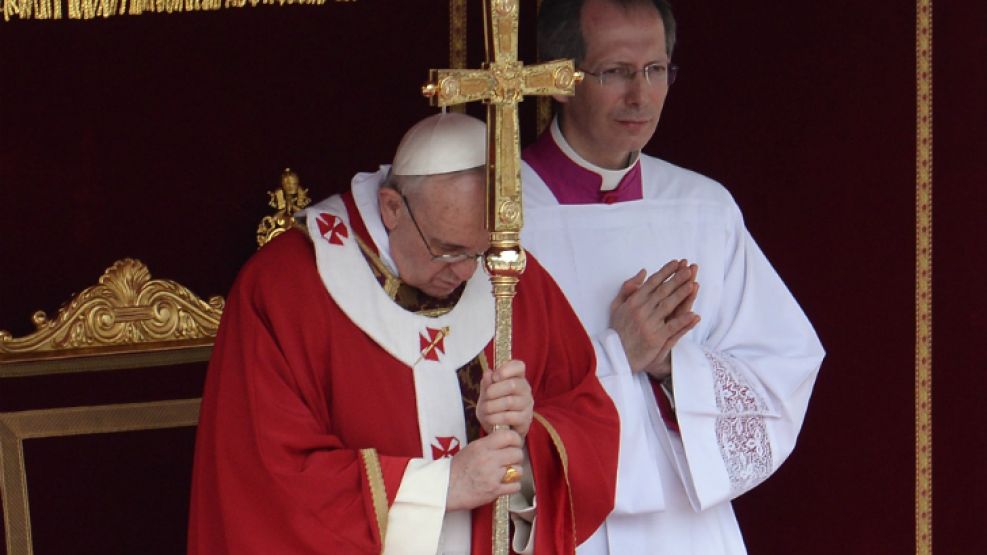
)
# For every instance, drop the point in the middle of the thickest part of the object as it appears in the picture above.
(575, 182)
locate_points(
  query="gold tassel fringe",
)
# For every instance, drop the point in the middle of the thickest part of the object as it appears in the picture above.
(92, 9)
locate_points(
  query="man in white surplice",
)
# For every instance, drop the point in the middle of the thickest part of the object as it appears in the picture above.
(709, 360)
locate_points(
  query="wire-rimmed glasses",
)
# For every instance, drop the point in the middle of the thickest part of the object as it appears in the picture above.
(622, 76)
(444, 258)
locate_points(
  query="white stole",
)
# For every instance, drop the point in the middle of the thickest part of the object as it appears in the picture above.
(433, 348)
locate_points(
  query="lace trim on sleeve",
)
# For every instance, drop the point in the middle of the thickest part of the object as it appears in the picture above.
(740, 429)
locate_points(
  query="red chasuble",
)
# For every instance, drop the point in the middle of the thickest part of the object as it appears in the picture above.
(307, 424)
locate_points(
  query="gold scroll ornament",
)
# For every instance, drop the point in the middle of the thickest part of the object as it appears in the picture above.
(501, 84)
(287, 199)
(127, 307)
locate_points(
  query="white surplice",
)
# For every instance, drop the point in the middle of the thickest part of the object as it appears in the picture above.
(741, 379)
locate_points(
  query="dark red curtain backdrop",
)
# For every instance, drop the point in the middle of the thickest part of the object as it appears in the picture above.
(156, 137)
(959, 265)
(806, 112)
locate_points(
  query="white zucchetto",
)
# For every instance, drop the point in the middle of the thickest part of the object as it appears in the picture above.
(442, 143)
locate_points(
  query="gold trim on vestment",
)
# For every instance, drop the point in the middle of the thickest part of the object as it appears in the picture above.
(378, 492)
(559, 444)
(923, 281)
(564, 457)
(391, 282)
(15, 427)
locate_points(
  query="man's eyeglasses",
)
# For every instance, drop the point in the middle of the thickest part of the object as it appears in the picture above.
(444, 258)
(623, 76)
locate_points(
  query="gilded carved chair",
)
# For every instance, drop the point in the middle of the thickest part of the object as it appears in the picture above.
(98, 408)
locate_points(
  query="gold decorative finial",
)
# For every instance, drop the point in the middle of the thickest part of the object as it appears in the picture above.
(288, 199)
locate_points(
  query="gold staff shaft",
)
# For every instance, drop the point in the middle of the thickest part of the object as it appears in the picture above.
(502, 83)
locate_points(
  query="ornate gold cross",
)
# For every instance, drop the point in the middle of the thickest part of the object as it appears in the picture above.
(502, 84)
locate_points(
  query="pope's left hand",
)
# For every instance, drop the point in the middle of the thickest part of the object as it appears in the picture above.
(505, 399)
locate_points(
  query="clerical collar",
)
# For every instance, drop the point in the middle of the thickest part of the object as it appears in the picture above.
(610, 178)
(574, 180)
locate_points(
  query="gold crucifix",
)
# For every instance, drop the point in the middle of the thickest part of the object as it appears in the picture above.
(502, 84)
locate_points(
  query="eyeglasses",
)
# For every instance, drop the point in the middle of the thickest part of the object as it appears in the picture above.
(444, 258)
(623, 76)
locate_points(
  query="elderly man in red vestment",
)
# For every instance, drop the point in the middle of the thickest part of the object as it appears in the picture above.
(350, 405)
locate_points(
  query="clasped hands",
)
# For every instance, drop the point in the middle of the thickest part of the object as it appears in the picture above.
(651, 315)
(479, 470)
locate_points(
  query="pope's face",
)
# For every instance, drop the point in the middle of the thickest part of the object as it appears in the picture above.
(449, 211)
(605, 124)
